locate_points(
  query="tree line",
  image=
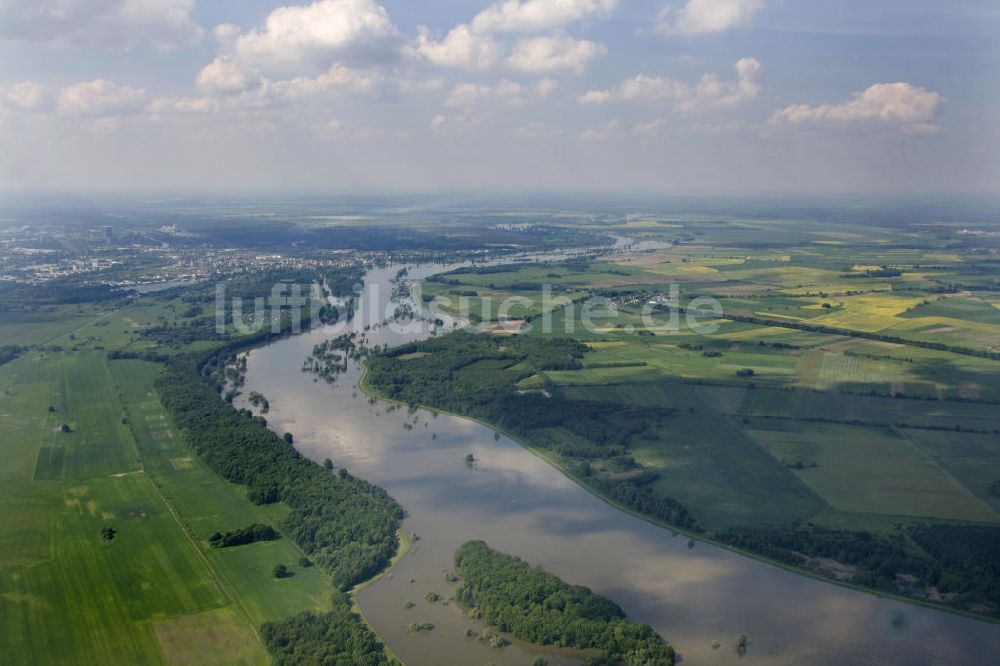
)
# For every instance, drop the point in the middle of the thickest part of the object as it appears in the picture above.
(152, 356)
(957, 559)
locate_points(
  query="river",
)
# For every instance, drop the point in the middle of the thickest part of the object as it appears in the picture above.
(698, 596)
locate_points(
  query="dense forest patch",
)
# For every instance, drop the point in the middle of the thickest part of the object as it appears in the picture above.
(335, 638)
(536, 606)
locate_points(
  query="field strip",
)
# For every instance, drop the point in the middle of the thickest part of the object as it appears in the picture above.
(217, 576)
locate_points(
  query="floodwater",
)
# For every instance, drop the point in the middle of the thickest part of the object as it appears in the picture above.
(699, 597)
(153, 287)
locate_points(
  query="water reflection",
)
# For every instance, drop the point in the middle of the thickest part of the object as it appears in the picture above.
(701, 598)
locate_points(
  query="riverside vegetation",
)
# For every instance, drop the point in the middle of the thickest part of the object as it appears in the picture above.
(841, 418)
(536, 606)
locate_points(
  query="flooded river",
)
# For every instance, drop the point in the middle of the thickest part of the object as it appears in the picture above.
(699, 597)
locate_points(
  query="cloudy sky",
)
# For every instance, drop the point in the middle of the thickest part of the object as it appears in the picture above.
(673, 95)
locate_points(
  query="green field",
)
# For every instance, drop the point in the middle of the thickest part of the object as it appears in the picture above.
(155, 593)
(849, 386)
(973, 459)
(44, 325)
(864, 469)
(88, 327)
(206, 504)
(105, 553)
(710, 463)
(67, 595)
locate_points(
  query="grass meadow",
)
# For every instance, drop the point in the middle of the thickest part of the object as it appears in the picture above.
(155, 593)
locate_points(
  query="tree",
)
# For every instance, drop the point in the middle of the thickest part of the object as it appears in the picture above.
(328, 465)
(287, 437)
(305, 562)
(280, 571)
(64, 428)
(108, 533)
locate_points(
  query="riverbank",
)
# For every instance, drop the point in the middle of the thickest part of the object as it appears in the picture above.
(701, 599)
(552, 460)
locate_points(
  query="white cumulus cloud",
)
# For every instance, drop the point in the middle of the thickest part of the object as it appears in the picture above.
(314, 33)
(302, 93)
(706, 16)
(595, 96)
(101, 97)
(26, 96)
(709, 93)
(537, 15)
(461, 47)
(162, 24)
(224, 75)
(474, 46)
(338, 78)
(539, 55)
(899, 104)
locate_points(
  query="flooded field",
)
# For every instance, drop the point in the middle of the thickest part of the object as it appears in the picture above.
(699, 597)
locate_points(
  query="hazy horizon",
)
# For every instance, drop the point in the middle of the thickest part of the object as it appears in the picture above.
(375, 208)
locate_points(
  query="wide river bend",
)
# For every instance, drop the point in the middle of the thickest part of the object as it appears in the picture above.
(698, 596)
